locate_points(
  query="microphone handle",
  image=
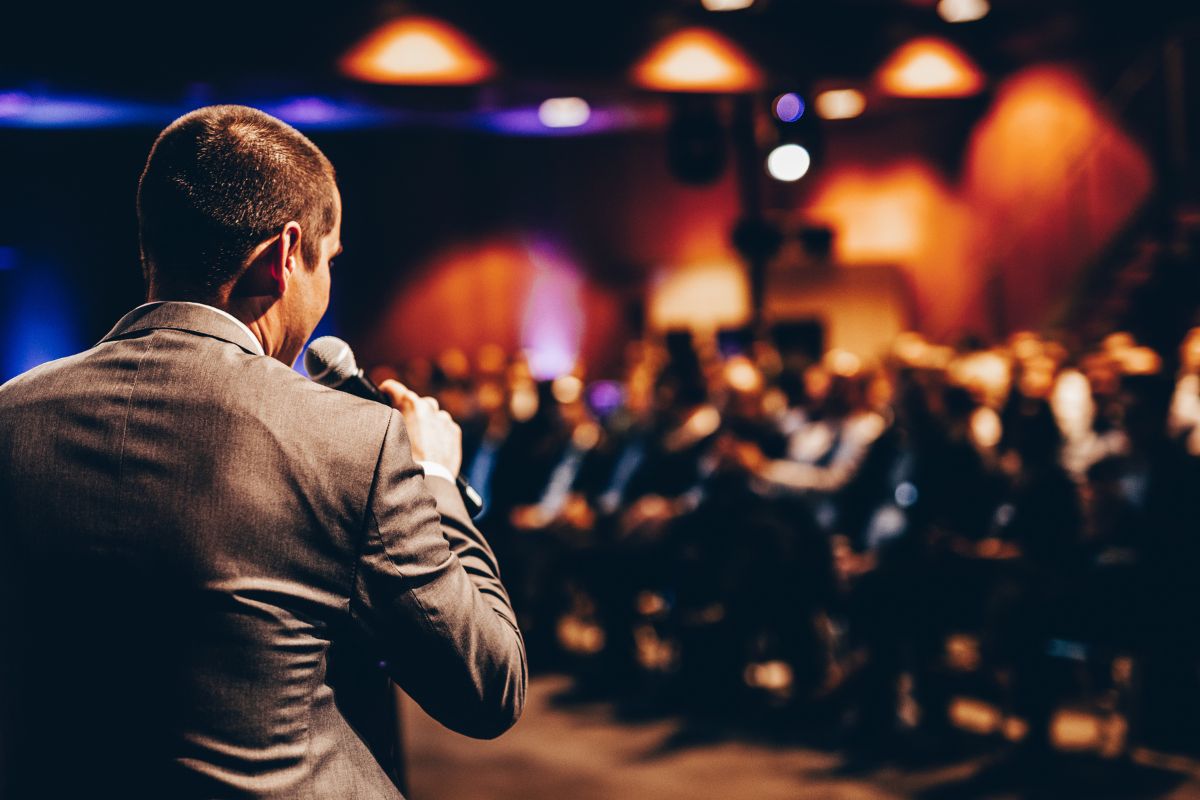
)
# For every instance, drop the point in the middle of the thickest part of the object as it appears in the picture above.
(360, 385)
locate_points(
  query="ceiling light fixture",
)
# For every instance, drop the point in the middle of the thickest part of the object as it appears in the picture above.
(697, 60)
(930, 67)
(417, 50)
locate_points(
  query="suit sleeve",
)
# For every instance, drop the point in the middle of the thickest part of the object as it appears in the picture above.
(428, 592)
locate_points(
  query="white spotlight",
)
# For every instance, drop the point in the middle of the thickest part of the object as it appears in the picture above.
(726, 5)
(788, 162)
(564, 112)
(963, 10)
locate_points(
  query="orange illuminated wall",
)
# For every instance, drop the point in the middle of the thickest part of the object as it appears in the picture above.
(1048, 179)
(496, 291)
(903, 214)
(629, 222)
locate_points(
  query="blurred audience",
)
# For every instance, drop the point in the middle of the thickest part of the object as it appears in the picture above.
(734, 528)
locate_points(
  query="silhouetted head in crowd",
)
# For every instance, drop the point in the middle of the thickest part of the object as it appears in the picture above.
(847, 394)
(957, 404)
(1034, 435)
(681, 385)
(549, 413)
(791, 383)
(680, 389)
(911, 403)
(1146, 399)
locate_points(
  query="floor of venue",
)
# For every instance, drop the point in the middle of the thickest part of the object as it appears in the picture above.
(583, 750)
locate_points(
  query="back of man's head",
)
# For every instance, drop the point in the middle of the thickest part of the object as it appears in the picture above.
(219, 181)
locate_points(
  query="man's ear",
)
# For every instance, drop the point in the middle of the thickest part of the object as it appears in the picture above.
(272, 264)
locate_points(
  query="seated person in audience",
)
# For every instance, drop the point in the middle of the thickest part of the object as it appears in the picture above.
(1183, 420)
(1033, 591)
(1161, 483)
(561, 504)
(827, 442)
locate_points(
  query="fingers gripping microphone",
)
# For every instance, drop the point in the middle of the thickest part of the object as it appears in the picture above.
(330, 362)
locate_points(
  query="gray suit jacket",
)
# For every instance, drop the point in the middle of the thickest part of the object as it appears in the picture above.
(187, 531)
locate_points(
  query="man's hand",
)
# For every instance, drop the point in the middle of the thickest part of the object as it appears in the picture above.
(432, 433)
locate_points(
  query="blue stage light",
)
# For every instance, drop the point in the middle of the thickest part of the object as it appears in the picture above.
(39, 318)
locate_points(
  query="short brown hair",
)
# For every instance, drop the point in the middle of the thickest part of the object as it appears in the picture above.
(219, 181)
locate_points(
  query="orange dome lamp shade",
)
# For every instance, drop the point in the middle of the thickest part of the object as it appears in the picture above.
(418, 51)
(697, 60)
(930, 67)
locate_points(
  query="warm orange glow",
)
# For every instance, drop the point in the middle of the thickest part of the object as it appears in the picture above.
(1140, 361)
(741, 375)
(906, 215)
(840, 103)
(975, 715)
(420, 51)
(567, 389)
(962, 652)
(478, 294)
(697, 60)
(700, 296)
(881, 215)
(863, 309)
(843, 362)
(1050, 178)
(774, 676)
(1076, 730)
(1046, 124)
(930, 67)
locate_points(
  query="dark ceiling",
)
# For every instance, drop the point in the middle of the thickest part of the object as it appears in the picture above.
(161, 49)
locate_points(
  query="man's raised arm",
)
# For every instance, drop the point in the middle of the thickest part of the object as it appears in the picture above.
(428, 590)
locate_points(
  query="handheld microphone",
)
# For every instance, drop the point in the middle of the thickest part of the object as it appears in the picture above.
(330, 362)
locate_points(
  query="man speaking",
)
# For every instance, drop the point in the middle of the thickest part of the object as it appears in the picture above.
(191, 533)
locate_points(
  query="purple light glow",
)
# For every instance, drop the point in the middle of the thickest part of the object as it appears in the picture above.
(14, 104)
(303, 110)
(527, 122)
(552, 324)
(321, 112)
(789, 107)
(605, 397)
(21, 110)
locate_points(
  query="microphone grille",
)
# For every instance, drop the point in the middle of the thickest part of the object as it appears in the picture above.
(329, 361)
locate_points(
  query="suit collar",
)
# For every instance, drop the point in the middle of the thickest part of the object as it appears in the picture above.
(186, 316)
